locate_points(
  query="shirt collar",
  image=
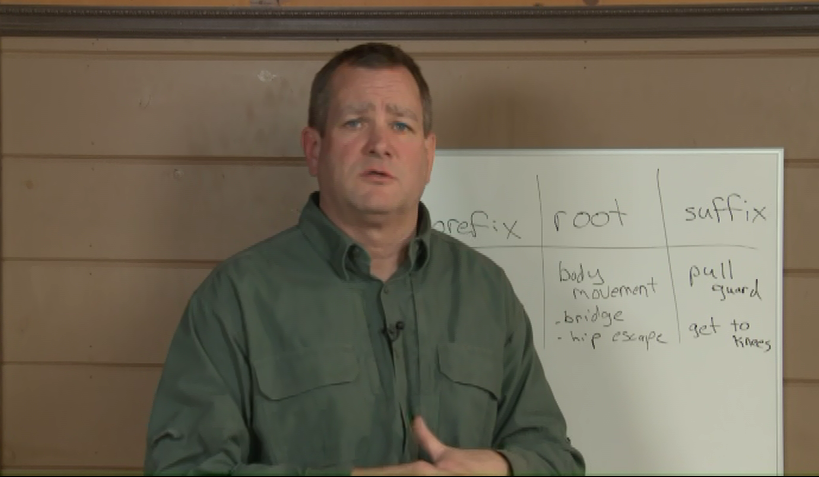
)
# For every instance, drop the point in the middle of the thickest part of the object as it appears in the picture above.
(343, 253)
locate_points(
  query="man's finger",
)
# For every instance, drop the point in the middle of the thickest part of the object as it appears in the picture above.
(427, 439)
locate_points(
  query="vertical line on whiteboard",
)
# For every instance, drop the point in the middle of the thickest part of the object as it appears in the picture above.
(542, 258)
(668, 255)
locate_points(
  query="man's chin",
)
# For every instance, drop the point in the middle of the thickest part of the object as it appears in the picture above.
(376, 209)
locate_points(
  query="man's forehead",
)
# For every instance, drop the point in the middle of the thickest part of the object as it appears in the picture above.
(365, 106)
(351, 80)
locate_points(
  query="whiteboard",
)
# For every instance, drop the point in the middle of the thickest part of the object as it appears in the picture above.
(653, 281)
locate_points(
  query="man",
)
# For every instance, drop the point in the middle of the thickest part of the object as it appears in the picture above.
(359, 341)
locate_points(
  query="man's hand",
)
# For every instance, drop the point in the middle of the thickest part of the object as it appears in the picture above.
(458, 461)
(419, 467)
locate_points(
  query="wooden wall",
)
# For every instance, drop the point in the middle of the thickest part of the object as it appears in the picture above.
(374, 3)
(129, 168)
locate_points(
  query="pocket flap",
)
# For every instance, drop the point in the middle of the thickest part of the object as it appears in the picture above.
(289, 374)
(472, 365)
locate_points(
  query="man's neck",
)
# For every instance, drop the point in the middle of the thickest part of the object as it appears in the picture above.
(386, 247)
(386, 239)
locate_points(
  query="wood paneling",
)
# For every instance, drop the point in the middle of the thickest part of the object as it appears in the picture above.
(144, 210)
(144, 104)
(801, 328)
(801, 428)
(370, 3)
(82, 416)
(139, 3)
(76, 416)
(62, 471)
(239, 50)
(499, 3)
(114, 313)
(194, 108)
(130, 167)
(801, 234)
(93, 312)
(203, 211)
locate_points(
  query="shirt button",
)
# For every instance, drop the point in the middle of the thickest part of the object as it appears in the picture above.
(386, 290)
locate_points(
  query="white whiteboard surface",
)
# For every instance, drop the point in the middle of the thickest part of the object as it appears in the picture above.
(624, 259)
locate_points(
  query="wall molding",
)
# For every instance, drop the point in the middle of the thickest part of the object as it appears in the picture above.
(708, 20)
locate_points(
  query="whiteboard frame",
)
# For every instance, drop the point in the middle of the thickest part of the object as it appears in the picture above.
(778, 152)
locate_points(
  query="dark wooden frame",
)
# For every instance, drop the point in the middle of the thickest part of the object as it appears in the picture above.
(705, 20)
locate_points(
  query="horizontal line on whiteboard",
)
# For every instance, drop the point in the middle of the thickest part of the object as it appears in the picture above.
(634, 247)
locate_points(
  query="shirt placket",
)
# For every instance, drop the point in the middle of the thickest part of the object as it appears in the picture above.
(395, 322)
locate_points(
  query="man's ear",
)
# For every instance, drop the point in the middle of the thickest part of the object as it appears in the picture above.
(311, 145)
(429, 145)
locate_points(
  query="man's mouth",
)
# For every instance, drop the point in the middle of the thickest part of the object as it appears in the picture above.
(377, 173)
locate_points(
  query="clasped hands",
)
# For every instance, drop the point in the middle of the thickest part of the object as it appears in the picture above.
(445, 460)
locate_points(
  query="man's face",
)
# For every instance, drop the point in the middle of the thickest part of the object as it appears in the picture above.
(373, 159)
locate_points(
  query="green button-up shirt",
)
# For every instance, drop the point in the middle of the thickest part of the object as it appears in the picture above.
(292, 358)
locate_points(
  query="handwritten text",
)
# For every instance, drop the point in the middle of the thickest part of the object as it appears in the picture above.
(726, 209)
(584, 219)
(478, 220)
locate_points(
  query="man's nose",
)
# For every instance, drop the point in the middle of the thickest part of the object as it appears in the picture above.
(378, 141)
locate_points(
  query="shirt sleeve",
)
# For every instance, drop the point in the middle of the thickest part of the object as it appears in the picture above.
(531, 431)
(199, 423)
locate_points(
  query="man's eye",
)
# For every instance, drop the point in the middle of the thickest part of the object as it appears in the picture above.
(353, 123)
(402, 127)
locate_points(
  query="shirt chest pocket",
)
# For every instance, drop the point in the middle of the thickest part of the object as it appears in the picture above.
(470, 383)
(313, 408)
